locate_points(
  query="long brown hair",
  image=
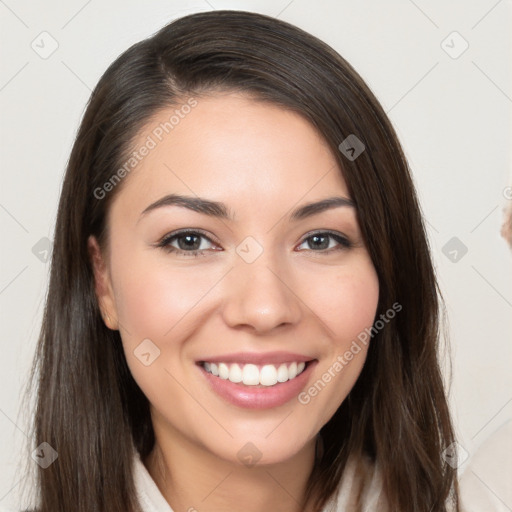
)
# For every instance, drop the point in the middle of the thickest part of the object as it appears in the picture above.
(89, 407)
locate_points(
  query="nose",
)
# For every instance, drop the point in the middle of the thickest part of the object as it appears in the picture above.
(260, 296)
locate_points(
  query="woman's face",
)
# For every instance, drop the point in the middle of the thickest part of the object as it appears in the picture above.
(261, 288)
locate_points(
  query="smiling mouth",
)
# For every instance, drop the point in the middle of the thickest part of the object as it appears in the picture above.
(255, 375)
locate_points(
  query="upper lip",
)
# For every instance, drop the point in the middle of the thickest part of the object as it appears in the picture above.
(258, 358)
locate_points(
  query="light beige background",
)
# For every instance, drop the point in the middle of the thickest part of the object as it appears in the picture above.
(452, 112)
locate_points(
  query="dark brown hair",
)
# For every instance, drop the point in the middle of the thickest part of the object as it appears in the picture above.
(90, 409)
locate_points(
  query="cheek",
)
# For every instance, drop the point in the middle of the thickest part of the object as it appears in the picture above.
(347, 308)
(349, 303)
(153, 298)
(158, 302)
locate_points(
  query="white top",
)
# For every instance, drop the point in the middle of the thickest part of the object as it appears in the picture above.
(151, 499)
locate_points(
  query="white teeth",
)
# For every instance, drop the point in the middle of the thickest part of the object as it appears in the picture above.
(282, 373)
(223, 371)
(235, 373)
(252, 375)
(268, 375)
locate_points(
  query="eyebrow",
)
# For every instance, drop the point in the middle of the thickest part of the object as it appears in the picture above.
(220, 210)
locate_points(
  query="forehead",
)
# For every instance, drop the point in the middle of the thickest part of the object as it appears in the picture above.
(232, 148)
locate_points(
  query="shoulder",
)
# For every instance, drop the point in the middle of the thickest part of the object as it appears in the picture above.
(148, 494)
(361, 484)
(10, 508)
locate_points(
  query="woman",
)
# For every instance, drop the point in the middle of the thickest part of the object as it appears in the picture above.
(242, 311)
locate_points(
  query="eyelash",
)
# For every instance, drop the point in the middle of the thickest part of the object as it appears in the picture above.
(165, 242)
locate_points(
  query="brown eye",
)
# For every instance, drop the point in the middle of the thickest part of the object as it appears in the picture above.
(326, 241)
(187, 243)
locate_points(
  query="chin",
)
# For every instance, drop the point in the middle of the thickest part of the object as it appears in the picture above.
(262, 450)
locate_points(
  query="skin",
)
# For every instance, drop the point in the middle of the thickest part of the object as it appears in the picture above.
(262, 162)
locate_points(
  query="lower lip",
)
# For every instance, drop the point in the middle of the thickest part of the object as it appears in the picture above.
(253, 397)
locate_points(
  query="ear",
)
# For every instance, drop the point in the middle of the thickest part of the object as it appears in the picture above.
(103, 284)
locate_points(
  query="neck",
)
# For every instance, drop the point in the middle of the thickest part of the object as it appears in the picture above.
(192, 479)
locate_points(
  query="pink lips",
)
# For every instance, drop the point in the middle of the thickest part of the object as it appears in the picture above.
(259, 397)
